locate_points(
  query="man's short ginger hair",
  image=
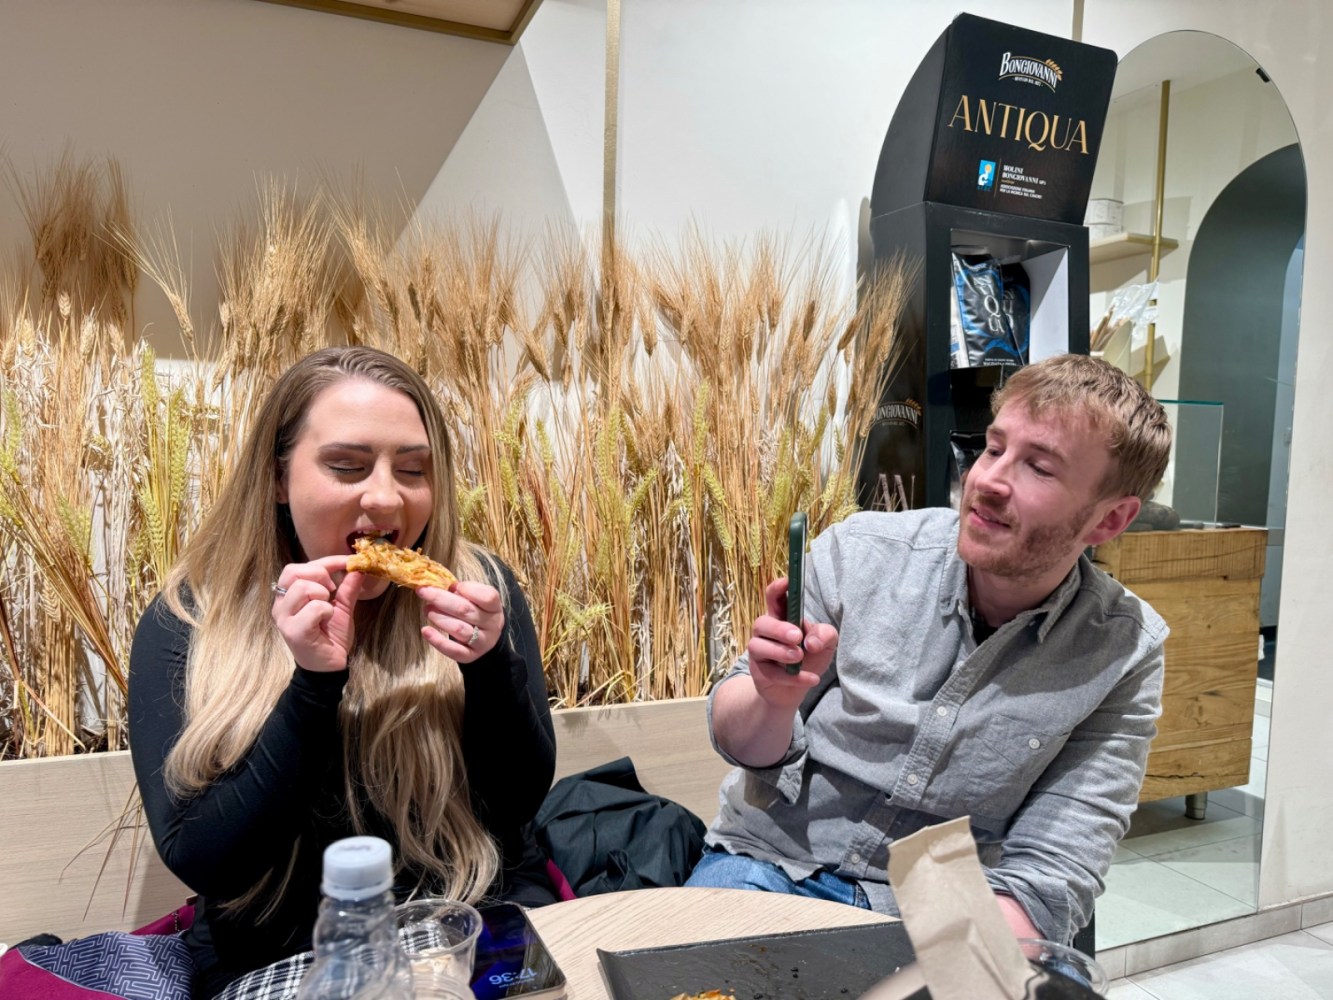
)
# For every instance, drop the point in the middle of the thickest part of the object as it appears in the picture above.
(1137, 431)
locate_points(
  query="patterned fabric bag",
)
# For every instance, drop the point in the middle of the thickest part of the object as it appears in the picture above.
(153, 963)
(282, 979)
(278, 981)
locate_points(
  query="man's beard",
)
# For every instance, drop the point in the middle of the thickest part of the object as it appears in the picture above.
(1027, 553)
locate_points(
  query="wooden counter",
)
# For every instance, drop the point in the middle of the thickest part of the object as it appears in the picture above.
(1205, 583)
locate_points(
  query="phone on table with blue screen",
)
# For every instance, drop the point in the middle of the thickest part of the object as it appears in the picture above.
(797, 531)
(512, 961)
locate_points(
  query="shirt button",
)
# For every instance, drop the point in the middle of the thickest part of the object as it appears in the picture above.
(1034, 743)
(941, 711)
(911, 779)
(854, 858)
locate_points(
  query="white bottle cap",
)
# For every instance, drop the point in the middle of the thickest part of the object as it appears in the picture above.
(357, 868)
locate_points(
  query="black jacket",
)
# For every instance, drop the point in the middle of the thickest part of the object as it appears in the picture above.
(605, 833)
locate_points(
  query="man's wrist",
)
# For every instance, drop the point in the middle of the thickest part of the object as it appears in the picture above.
(1016, 917)
(754, 732)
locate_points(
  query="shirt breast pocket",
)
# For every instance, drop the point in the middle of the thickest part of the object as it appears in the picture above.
(1009, 756)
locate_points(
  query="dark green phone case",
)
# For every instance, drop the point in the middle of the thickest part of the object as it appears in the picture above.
(796, 539)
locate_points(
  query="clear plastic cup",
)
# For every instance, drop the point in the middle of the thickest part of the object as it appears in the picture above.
(439, 941)
(1069, 962)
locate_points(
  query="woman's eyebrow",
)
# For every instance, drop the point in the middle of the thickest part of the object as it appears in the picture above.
(365, 449)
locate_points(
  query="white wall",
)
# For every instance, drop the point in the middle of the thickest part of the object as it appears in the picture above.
(752, 115)
(199, 98)
(532, 151)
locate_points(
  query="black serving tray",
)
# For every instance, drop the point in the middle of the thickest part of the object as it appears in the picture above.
(839, 963)
(834, 964)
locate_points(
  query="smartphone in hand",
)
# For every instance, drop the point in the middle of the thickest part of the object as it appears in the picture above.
(796, 541)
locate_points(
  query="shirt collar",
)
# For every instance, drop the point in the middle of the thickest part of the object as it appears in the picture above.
(1054, 606)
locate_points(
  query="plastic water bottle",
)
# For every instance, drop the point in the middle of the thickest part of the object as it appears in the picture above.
(356, 941)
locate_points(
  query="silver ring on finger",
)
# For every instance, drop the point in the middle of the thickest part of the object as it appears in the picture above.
(277, 590)
(472, 639)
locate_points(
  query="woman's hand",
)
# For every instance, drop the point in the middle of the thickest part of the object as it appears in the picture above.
(315, 615)
(463, 622)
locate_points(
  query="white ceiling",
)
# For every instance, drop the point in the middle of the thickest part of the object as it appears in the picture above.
(490, 20)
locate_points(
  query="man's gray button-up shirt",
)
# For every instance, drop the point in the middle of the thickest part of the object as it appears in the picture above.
(1040, 734)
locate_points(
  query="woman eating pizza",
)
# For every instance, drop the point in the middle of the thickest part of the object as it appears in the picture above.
(280, 702)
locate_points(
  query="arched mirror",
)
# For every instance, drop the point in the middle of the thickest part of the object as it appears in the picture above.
(1197, 222)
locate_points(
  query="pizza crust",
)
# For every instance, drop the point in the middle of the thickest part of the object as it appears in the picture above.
(403, 566)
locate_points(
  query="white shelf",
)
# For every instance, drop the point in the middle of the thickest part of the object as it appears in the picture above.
(1125, 245)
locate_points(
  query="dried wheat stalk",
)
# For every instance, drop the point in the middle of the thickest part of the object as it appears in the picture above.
(632, 431)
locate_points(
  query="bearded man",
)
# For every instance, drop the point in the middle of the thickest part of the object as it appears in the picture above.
(972, 664)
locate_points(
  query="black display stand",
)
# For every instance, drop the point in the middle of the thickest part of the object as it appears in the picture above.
(992, 147)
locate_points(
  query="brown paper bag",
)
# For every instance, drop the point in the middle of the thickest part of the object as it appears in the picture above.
(964, 947)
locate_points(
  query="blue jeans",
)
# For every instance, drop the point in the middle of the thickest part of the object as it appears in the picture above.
(719, 870)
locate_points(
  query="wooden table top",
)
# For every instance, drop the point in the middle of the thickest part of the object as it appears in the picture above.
(650, 918)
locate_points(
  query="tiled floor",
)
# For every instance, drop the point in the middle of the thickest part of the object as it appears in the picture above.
(1171, 873)
(1297, 966)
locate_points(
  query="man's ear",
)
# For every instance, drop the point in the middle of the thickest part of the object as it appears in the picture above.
(1114, 520)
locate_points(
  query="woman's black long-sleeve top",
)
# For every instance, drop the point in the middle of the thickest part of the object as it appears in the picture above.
(289, 786)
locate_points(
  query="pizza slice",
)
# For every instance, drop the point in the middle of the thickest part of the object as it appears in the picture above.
(404, 567)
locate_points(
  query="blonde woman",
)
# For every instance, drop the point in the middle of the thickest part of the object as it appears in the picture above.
(278, 702)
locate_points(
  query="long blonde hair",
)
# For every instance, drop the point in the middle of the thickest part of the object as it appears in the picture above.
(401, 712)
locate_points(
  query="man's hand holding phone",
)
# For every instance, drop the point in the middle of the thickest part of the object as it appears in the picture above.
(753, 721)
(776, 644)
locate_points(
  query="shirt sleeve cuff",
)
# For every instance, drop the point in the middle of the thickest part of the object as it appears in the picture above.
(1053, 926)
(320, 685)
(788, 774)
